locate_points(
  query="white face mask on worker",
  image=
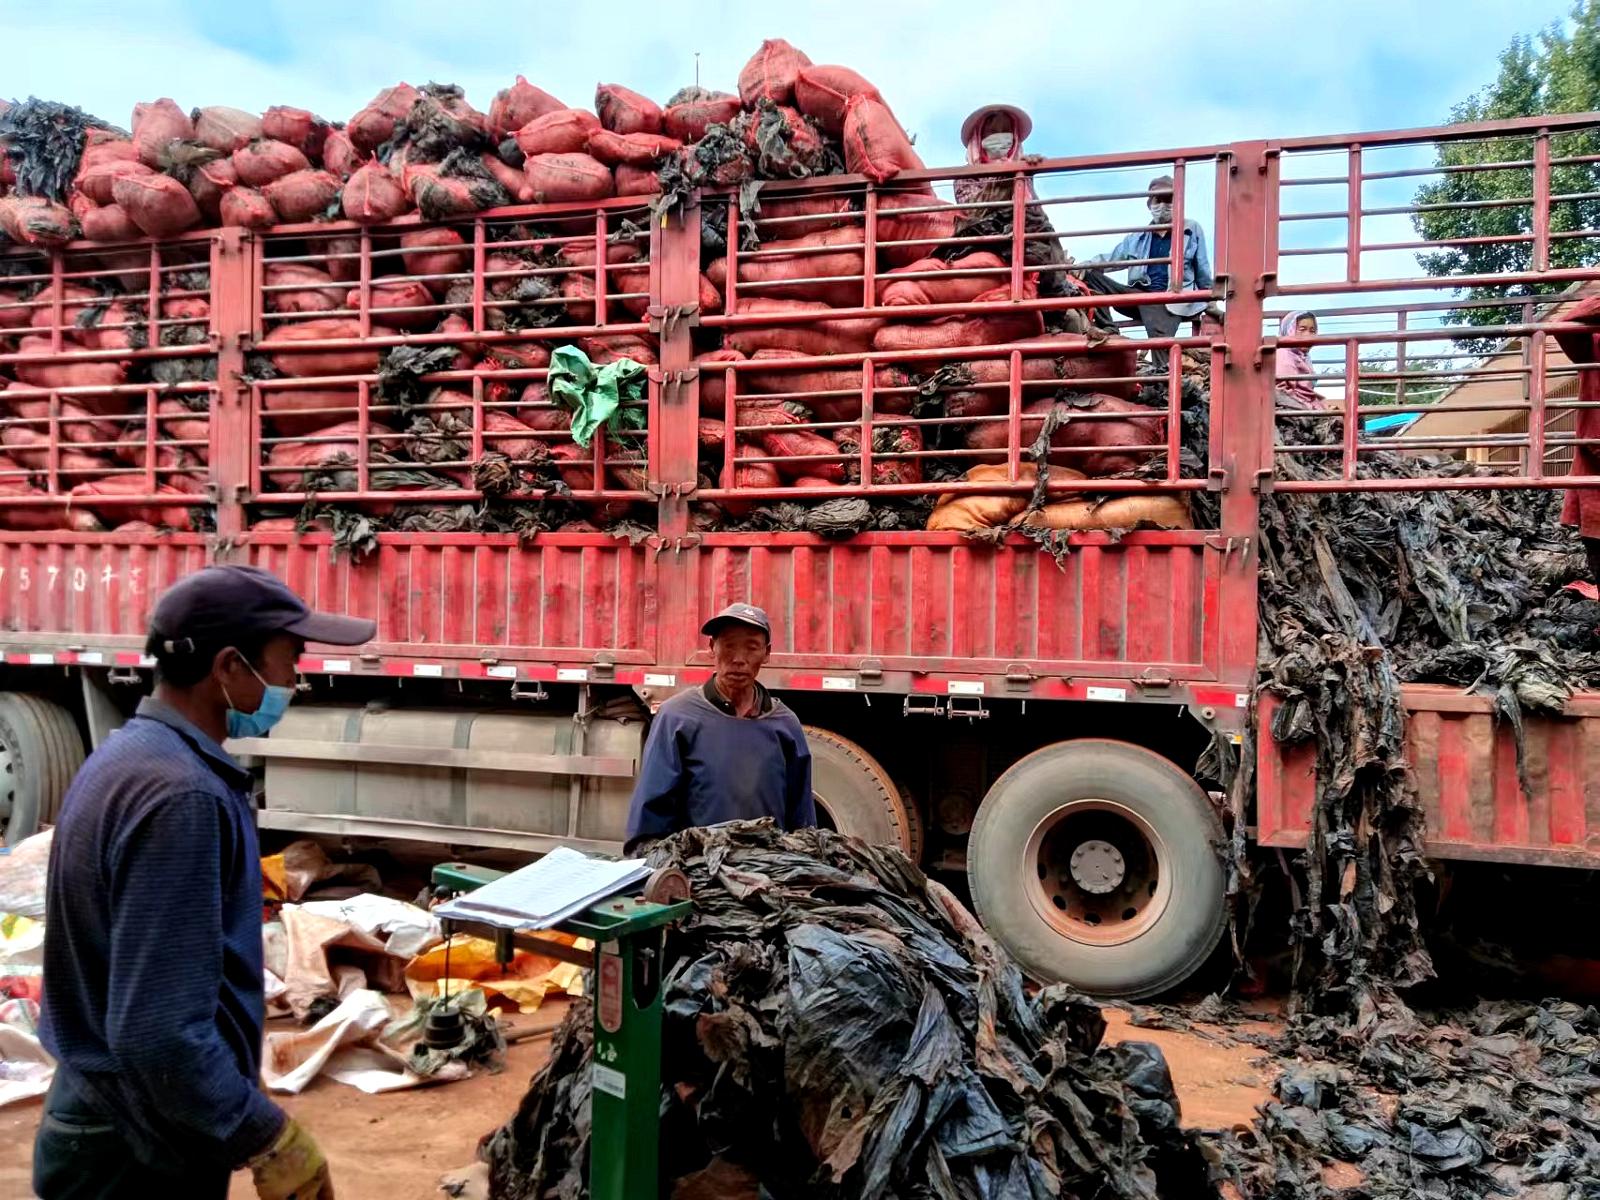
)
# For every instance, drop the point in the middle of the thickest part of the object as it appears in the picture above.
(998, 145)
(1161, 214)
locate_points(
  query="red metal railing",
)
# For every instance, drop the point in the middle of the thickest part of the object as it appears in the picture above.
(105, 382)
(496, 294)
(1489, 391)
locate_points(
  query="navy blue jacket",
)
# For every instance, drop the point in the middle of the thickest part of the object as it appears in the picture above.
(703, 765)
(153, 1002)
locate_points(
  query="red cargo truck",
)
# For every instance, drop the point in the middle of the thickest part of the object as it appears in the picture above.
(1029, 717)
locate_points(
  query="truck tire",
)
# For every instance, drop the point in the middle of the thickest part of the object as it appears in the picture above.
(1094, 863)
(40, 751)
(856, 796)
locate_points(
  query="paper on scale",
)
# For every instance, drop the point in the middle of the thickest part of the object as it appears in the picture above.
(542, 894)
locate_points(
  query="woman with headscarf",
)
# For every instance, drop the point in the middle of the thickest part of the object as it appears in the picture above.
(1582, 348)
(1296, 360)
(993, 136)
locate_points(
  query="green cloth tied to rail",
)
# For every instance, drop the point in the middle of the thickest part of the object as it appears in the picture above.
(597, 395)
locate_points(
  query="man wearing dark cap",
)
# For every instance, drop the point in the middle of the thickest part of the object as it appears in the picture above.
(1155, 242)
(727, 751)
(153, 1003)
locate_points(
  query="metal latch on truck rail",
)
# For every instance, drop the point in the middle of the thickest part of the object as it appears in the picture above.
(664, 318)
(671, 383)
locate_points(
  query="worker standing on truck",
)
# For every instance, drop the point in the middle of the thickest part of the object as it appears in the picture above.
(153, 1000)
(727, 751)
(1155, 242)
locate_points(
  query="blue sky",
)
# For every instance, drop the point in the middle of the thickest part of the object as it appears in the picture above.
(1096, 76)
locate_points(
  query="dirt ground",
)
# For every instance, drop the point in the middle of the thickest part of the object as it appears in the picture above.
(396, 1146)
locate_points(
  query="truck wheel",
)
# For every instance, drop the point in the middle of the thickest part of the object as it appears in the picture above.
(1093, 862)
(40, 751)
(856, 796)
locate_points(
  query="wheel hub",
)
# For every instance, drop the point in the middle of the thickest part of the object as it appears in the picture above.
(1098, 867)
(1100, 872)
(8, 783)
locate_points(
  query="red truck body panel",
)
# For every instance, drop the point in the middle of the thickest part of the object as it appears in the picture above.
(1464, 765)
(1160, 616)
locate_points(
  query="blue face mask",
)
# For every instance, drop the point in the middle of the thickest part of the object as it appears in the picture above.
(274, 703)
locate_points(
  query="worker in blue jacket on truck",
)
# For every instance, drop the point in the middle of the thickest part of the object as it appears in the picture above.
(727, 751)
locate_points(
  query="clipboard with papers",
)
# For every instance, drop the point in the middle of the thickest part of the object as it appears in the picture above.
(545, 893)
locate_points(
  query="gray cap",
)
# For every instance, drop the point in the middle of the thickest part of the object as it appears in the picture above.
(740, 614)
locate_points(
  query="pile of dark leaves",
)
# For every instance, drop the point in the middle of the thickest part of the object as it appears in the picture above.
(838, 1025)
(1502, 1099)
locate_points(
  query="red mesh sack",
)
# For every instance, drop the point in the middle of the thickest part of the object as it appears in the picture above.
(301, 195)
(41, 518)
(374, 124)
(434, 252)
(638, 149)
(560, 177)
(783, 143)
(287, 462)
(69, 374)
(157, 123)
(565, 131)
(515, 183)
(822, 93)
(956, 289)
(108, 223)
(95, 181)
(771, 73)
(170, 516)
(515, 440)
(339, 154)
(781, 216)
(120, 325)
(827, 274)
(35, 221)
(713, 380)
(637, 181)
(925, 230)
(209, 181)
(303, 130)
(372, 195)
(389, 296)
(625, 111)
(874, 143)
(76, 300)
(284, 347)
(158, 204)
(617, 346)
(79, 426)
(582, 253)
(297, 412)
(246, 208)
(689, 120)
(264, 160)
(848, 335)
(315, 290)
(226, 129)
(514, 106)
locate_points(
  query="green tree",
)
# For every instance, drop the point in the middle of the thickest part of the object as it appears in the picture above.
(1556, 71)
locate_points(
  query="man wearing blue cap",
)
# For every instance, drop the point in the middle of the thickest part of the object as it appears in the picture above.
(153, 1001)
(728, 751)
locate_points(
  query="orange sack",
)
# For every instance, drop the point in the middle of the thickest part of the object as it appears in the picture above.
(823, 92)
(827, 260)
(556, 178)
(848, 335)
(771, 73)
(874, 143)
(565, 131)
(515, 106)
(623, 110)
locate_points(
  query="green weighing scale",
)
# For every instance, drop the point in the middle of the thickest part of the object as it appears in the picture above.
(628, 933)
